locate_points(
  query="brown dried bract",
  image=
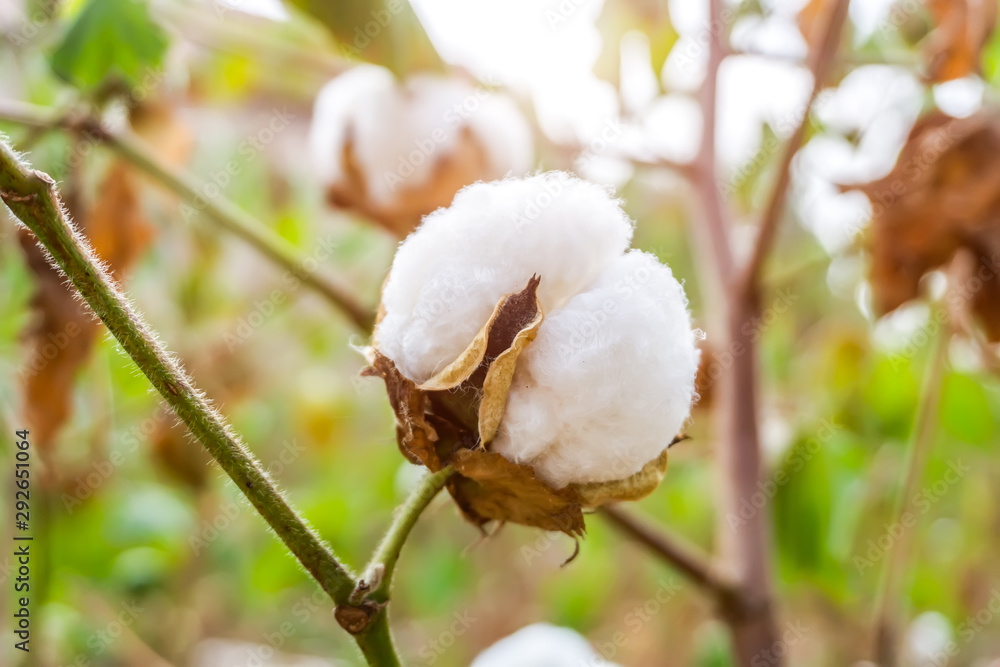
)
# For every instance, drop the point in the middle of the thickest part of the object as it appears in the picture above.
(464, 164)
(414, 434)
(943, 196)
(488, 487)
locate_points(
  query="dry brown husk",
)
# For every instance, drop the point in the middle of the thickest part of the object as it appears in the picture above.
(942, 198)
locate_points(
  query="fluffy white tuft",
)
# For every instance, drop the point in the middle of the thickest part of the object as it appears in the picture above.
(609, 380)
(450, 273)
(402, 132)
(541, 645)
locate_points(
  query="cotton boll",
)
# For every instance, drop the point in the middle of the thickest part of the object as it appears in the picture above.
(541, 645)
(334, 111)
(609, 380)
(449, 274)
(396, 152)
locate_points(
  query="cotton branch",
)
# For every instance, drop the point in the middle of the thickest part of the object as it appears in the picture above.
(820, 67)
(218, 209)
(716, 216)
(364, 616)
(32, 197)
(695, 565)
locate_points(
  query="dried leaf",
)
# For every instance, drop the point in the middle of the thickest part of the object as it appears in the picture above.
(943, 196)
(491, 488)
(414, 434)
(59, 341)
(635, 487)
(962, 29)
(63, 333)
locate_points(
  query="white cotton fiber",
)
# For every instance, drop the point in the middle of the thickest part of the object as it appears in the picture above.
(541, 645)
(449, 274)
(400, 133)
(609, 380)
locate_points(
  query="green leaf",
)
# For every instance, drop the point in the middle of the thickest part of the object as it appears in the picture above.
(110, 41)
(383, 32)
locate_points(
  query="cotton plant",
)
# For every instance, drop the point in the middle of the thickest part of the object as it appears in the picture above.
(526, 345)
(395, 151)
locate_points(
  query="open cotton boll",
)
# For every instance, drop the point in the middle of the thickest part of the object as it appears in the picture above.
(398, 151)
(449, 274)
(541, 645)
(608, 382)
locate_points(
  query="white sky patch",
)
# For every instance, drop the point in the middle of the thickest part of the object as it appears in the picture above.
(268, 9)
(639, 84)
(871, 16)
(903, 327)
(960, 98)
(775, 35)
(546, 48)
(754, 90)
(673, 127)
(878, 102)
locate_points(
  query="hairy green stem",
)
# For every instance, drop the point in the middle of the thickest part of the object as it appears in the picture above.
(387, 554)
(376, 583)
(217, 207)
(32, 197)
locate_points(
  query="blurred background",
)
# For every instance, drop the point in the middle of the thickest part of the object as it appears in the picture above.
(149, 556)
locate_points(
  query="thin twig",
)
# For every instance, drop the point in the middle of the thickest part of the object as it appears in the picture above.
(716, 216)
(691, 562)
(894, 569)
(820, 67)
(372, 594)
(31, 196)
(217, 208)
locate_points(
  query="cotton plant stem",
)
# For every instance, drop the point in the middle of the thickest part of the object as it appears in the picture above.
(895, 563)
(217, 208)
(820, 66)
(32, 198)
(686, 558)
(716, 217)
(375, 639)
(383, 562)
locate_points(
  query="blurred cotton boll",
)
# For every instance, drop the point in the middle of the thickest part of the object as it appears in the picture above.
(542, 645)
(609, 380)
(397, 151)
